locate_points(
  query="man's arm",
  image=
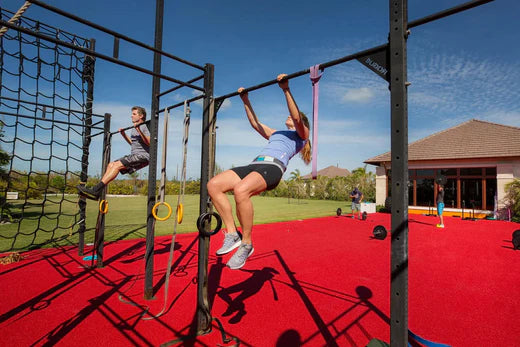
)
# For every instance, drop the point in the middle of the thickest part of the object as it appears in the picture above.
(146, 139)
(125, 136)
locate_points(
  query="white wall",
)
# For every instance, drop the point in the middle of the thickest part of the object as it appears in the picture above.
(506, 172)
(380, 185)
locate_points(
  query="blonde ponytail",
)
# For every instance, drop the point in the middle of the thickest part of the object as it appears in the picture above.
(306, 152)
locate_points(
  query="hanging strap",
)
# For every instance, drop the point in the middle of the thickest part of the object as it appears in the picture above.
(180, 199)
(315, 79)
(162, 187)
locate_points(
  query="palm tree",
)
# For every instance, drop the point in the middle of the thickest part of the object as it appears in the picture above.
(295, 175)
(365, 181)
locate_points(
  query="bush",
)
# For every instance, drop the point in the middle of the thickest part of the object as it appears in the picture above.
(512, 199)
(382, 209)
(388, 203)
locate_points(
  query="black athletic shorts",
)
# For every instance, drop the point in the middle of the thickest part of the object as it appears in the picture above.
(132, 163)
(271, 173)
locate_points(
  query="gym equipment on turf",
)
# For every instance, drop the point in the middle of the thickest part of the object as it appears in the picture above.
(364, 215)
(206, 217)
(103, 206)
(516, 239)
(379, 232)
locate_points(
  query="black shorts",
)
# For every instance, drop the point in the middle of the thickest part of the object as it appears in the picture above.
(271, 173)
(132, 163)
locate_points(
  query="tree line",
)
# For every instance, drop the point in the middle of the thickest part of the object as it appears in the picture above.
(35, 185)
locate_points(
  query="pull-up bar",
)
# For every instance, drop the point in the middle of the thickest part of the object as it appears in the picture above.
(113, 33)
(195, 98)
(177, 87)
(370, 51)
(447, 12)
(306, 71)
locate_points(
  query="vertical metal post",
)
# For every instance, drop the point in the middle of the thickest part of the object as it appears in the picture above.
(399, 159)
(152, 169)
(206, 172)
(106, 159)
(88, 77)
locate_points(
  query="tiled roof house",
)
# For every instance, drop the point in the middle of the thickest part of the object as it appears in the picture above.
(477, 157)
(331, 172)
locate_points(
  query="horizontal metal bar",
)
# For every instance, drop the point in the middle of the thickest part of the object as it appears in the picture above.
(49, 106)
(111, 32)
(96, 134)
(177, 87)
(48, 120)
(98, 55)
(181, 103)
(448, 12)
(128, 127)
(306, 71)
(101, 121)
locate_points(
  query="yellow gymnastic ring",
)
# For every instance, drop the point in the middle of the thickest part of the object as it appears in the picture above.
(101, 209)
(180, 213)
(155, 208)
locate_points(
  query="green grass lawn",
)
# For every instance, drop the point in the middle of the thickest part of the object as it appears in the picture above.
(126, 219)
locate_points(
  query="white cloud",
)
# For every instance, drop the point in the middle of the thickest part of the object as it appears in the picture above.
(362, 95)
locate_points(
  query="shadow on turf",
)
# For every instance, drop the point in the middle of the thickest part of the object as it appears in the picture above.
(245, 289)
(45, 299)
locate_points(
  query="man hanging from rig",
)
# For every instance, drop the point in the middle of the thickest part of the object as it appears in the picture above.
(138, 158)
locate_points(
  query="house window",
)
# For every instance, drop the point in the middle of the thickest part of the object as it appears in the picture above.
(472, 171)
(471, 187)
(448, 172)
(424, 192)
(471, 193)
(450, 193)
(491, 189)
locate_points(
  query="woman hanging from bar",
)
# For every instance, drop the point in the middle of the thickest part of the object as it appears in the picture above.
(263, 173)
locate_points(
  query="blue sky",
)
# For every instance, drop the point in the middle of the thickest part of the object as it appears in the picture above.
(462, 67)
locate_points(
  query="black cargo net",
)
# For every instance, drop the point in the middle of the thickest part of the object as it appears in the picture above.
(44, 120)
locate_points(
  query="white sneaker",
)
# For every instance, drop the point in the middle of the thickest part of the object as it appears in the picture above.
(239, 258)
(231, 241)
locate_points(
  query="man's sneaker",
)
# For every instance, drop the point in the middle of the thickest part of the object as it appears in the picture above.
(239, 258)
(87, 192)
(440, 225)
(231, 241)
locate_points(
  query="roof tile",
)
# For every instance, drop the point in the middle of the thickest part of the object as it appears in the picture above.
(471, 139)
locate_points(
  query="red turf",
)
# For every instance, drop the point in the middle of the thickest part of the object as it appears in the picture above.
(309, 282)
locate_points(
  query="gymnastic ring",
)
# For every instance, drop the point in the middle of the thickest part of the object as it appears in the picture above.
(101, 209)
(207, 216)
(180, 213)
(154, 209)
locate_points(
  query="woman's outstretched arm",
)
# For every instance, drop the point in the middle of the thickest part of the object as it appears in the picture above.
(262, 129)
(294, 111)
